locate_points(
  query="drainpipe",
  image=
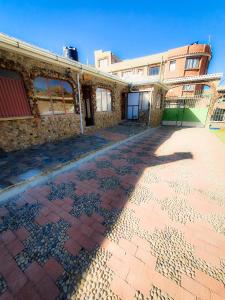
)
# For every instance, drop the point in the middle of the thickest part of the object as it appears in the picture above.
(80, 108)
(150, 108)
(161, 70)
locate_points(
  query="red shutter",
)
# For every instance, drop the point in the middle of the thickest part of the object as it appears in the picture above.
(13, 99)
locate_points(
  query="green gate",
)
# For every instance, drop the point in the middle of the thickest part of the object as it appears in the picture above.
(186, 111)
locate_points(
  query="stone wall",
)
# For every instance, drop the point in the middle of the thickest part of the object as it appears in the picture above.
(22, 133)
(105, 119)
(19, 133)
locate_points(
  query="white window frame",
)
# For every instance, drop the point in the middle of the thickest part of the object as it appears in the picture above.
(151, 68)
(172, 66)
(103, 100)
(192, 63)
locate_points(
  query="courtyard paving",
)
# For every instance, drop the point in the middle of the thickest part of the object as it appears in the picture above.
(146, 220)
(20, 166)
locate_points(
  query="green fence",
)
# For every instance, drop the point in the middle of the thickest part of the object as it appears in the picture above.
(186, 112)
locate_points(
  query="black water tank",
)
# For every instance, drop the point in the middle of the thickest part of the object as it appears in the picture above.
(71, 53)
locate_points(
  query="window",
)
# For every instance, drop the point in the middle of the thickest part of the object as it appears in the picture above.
(218, 115)
(103, 100)
(13, 98)
(192, 63)
(172, 65)
(127, 73)
(54, 96)
(154, 71)
(188, 87)
(140, 71)
(144, 100)
(103, 63)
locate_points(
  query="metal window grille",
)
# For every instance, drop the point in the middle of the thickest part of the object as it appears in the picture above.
(218, 115)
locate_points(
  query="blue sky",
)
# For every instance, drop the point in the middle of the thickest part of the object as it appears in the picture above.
(128, 28)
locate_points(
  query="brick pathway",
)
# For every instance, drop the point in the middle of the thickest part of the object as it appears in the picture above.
(144, 221)
(22, 165)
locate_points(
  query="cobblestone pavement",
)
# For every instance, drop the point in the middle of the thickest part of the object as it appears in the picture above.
(19, 166)
(144, 221)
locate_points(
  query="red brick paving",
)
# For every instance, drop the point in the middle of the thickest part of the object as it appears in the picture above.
(133, 262)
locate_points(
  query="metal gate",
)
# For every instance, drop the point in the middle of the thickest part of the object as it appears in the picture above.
(183, 111)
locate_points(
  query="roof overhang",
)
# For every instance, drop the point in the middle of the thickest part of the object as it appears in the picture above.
(149, 82)
(28, 50)
(190, 79)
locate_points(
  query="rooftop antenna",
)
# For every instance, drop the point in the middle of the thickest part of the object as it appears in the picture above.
(209, 40)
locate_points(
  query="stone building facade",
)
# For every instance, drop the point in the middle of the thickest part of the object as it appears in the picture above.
(18, 132)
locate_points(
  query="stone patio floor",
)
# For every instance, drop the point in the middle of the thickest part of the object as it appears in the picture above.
(146, 220)
(22, 165)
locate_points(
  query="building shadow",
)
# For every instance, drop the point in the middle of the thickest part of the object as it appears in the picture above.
(112, 201)
(99, 190)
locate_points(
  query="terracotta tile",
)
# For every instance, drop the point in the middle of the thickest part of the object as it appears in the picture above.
(122, 289)
(47, 288)
(214, 285)
(128, 246)
(15, 247)
(72, 246)
(7, 296)
(52, 217)
(22, 233)
(118, 266)
(35, 272)
(7, 264)
(41, 220)
(97, 237)
(86, 242)
(195, 287)
(53, 268)
(16, 280)
(28, 291)
(86, 229)
(146, 257)
(113, 248)
(7, 236)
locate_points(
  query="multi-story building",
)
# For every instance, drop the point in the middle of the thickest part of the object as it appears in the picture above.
(183, 62)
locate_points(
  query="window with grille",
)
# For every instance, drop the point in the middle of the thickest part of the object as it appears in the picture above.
(53, 96)
(154, 70)
(103, 99)
(218, 115)
(192, 63)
